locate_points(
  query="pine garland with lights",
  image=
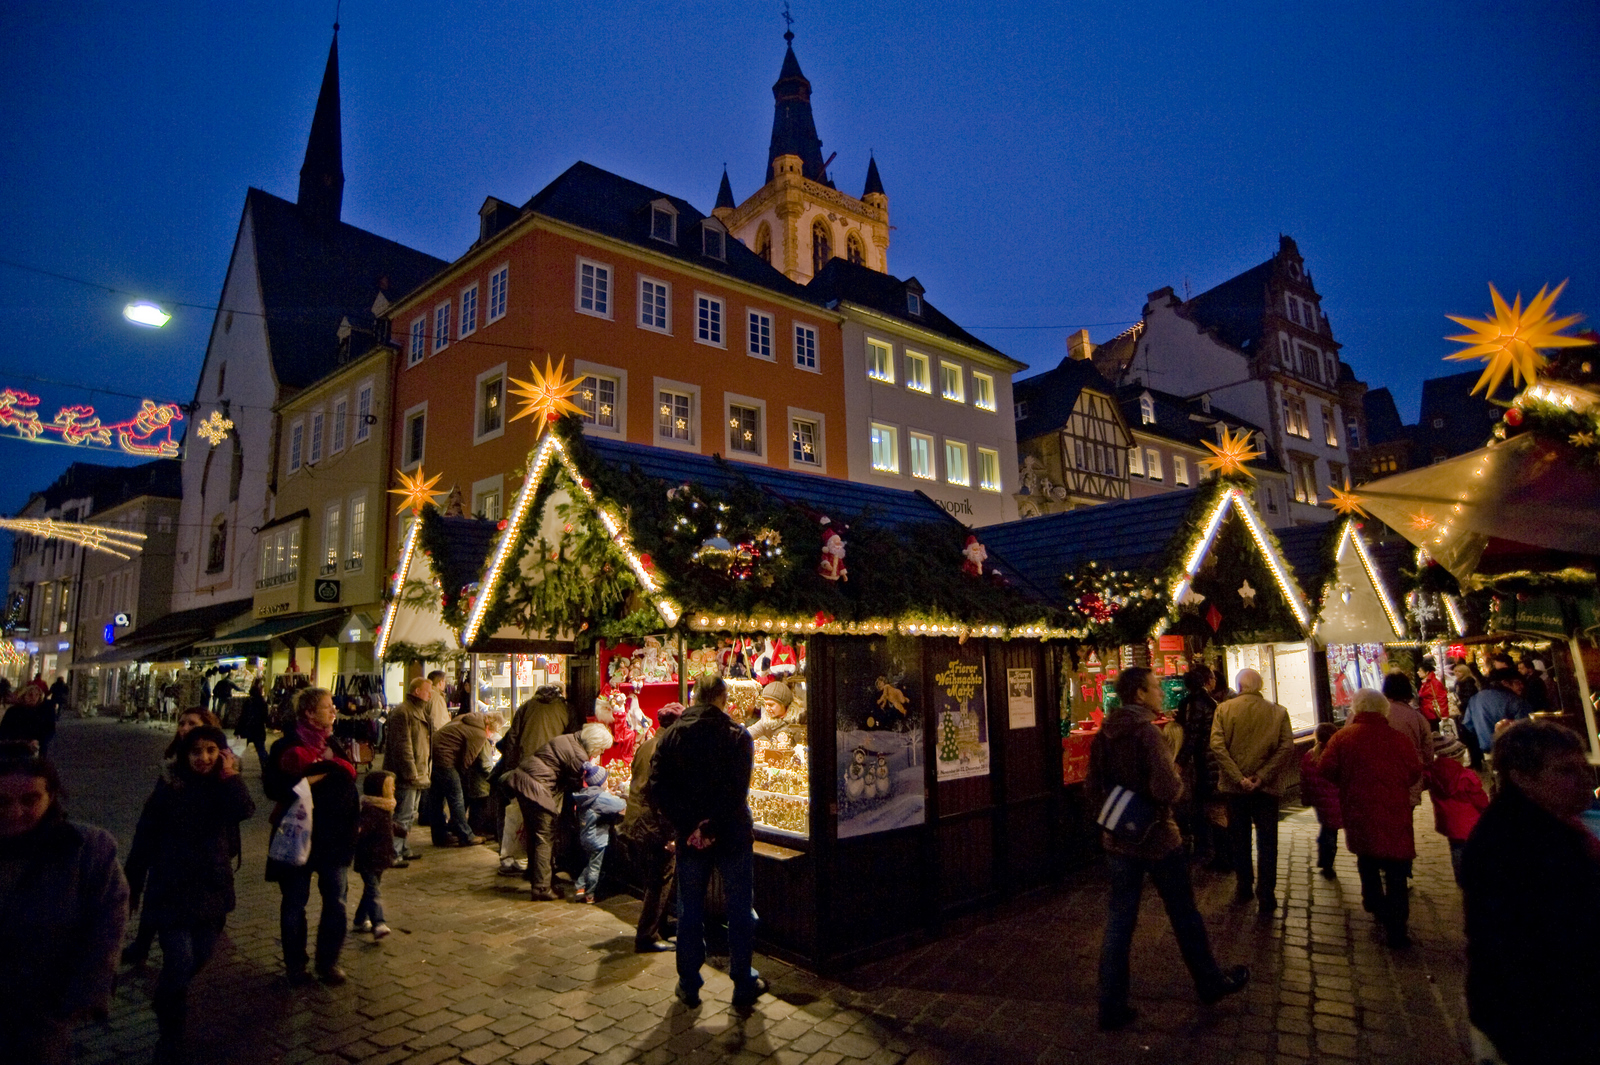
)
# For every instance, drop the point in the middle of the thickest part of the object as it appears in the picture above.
(1113, 607)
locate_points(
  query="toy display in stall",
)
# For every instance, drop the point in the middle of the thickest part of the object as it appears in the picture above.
(879, 759)
(780, 785)
(1352, 667)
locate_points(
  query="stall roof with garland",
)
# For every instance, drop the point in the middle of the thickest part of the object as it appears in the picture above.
(1335, 555)
(454, 550)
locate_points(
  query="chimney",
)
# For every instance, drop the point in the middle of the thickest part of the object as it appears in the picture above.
(1079, 345)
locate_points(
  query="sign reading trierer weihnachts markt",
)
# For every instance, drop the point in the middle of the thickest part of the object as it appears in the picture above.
(961, 742)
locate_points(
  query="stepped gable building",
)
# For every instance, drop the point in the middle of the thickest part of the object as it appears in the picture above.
(798, 220)
(297, 271)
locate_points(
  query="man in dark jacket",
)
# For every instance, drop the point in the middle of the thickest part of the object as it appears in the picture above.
(540, 784)
(653, 840)
(1130, 752)
(700, 782)
(1530, 879)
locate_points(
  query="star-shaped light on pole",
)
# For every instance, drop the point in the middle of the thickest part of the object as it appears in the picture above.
(1228, 459)
(1345, 501)
(548, 395)
(416, 491)
(1510, 341)
(215, 428)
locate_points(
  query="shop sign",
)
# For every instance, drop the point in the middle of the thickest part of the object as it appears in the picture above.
(962, 743)
(272, 610)
(111, 632)
(121, 621)
(64, 645)
(961, 508)
(327, 591)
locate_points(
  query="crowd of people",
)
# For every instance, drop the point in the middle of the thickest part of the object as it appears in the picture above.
(29, 714)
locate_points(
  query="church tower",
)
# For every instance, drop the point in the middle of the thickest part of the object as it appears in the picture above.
(797, 221)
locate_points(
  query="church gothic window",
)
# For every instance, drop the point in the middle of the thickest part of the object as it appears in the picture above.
(764, 243)
(855, 250)
(821, 246)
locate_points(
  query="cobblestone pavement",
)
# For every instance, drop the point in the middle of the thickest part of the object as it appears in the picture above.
(476, 973)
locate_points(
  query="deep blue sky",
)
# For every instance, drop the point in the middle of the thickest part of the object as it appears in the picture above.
(1047, 165)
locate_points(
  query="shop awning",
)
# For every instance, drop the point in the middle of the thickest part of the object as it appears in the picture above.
(272, 628)
(169, 637)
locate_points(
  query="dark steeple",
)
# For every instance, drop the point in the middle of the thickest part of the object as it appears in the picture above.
(322, 175)
(725, 193)
(794, 131)
(874, 182)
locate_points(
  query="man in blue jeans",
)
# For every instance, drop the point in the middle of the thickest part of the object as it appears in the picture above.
(1130, 752)
(700, 782)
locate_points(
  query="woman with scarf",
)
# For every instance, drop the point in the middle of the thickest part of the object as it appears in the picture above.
(309, 751)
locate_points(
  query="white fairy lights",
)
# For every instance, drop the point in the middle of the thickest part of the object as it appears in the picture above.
(107, 539)
(1389, 609)
(1234, 498)
(391, 611)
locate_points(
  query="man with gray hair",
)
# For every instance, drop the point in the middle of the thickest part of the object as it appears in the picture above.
(540, 783)
(1254, 748)
(408, 754)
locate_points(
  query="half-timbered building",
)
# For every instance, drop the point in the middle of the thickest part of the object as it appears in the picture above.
(1072, 442)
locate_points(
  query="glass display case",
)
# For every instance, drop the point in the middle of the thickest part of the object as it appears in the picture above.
(780, 785)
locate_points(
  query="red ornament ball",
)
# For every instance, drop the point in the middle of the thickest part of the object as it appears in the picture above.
(1514, 417)
(587, 483)
(501, 524)
(552, 417)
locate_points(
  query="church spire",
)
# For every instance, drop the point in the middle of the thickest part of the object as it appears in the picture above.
(794, 131)
(322, 174)
(874, 182)
(725, 193)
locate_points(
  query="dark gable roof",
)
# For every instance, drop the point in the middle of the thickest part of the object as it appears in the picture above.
(602, 202)
(1234, 309)
(109, 486)
(1383, 417)
(467, 545)
(1309, 551)
(844, 281)
(1050, 396)
(313, 273)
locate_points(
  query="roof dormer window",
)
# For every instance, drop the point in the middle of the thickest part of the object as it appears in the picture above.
(913, 303)
(664, 221)
(1147, 409)
(713, 241)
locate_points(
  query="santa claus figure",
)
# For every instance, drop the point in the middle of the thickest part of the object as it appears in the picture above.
(832, 565)
(973, 556)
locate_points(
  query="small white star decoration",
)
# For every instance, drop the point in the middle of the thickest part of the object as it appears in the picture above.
(1248, 594)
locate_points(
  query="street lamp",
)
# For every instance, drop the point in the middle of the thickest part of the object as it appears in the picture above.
(145, 313)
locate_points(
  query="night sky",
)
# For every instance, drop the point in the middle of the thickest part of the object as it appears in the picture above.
(1047, 165)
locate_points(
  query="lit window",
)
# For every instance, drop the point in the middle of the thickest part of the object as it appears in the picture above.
(594, 288)
(317, 422)
(885, 449)
(341, 415)
(356, 544)
(487, 504)
(1295, 420)
(419, 342)
(982, 391)
(330, 540)
(955, 463)
(1136, 461)
(744, 429)
(708, 320)
(803, 441)
(921, 448)
(917, 377)
(441, 326)
(805, 347)
(491, 404)
(1180, 470)
(988, 469)
(363, 413)
(1152, 463)
(297, 433)
(673, 413)
(1305, 480)
(951, 386)
(1147, 410)
(653, 305)
(597, 399)
(880, 361)
(499, 281)
(1330, 432)
(760, 338)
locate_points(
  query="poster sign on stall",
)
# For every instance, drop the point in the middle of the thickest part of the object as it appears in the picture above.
(1020, 705)
(960, 715)
(879, 753)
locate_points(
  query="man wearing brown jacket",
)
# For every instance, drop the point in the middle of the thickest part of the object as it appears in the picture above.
(1254, 748)
(408, 754)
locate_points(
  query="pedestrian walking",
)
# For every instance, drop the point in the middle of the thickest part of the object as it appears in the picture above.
(408, 754)
(1433, 699)
(252, 726)
(458, 747)
(1196, 713)
(30, 720)
(310, 752)
(1254, 747)
(65, 905)
(540, 784)
(1458, 802)
(651, 835)
(1129, 752)
(375, 834)
(1375, 766)
(536, 722)
(222, 696)
(700, 782)
(597, 810)
(1409, 722)
(1322, 795)
(181, 867)
(1530, 878)
(1498, 702)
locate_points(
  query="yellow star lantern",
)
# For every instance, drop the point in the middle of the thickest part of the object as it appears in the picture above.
(1420, 522)
(1582, 439)
(416, 491)
(1510, 341)
(1228, 459)
(1345, 501)
(548, 395)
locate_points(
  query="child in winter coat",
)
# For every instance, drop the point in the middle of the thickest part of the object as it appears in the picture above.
(597, 811)
(1322, 795)
(1458, 801)
(181, 866)
(375, 836)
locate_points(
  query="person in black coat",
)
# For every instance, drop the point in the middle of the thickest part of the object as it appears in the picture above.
(252, 726)
(309, 751)
(181, 866)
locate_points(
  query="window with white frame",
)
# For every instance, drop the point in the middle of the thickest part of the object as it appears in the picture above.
(330, 539)
(469, 310)
(1152, 463)
(297, 435)
(951, 384)
(805, 347)
(499, 281)
(759, 341)
(913, 303)
(1294, 309)
(490, 420)
(885, 448)
(708, 320)
(880, 361)
(675, 415)
(1330, 429)
(713, 241)
(414, 438)
(341, 419)
(1305, 479)
(487, 496)
(364, 412)
(594, 288)
(317, 425)
(597, 401)
(664, 222)
(744, 429)
(419, 341)
(955, 463)
(441, 326)
(805, 441)
(1180, 470)
(918, 378)
(988, 469)
(655, 305)
(1136, 461)
(1147, 409)
(983, 391)
(1295, 420)
(280, 554)
(920, 454)
(355, 551)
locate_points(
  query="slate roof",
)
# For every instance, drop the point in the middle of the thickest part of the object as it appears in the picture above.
(1306, 549)
(1050, 396)
(602, 202)
(314, 273)
(1176, 419)
(1135, 534)
(845, 281)
(874, 182)
(468, 544)
(794, 129)
(109, 486)
(1234, 310)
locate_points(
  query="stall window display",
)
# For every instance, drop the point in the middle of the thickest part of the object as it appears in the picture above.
(1285, 670)
(780, 786)
(1352, 667)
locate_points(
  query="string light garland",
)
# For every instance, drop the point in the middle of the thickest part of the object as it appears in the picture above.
(1228, 457)
(1233, 498)
(215, 428)
(148, 434)
(1390, 610)
(1512, 340)
(392, 610)
(106, 539)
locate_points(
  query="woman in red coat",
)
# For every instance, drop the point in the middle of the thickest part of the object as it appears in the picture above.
(1374, 766)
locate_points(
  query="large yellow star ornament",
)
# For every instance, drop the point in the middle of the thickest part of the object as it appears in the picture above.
(1228, 459)
(548, 395)
(1345, 501)
(416, 491)
(1510, 342)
